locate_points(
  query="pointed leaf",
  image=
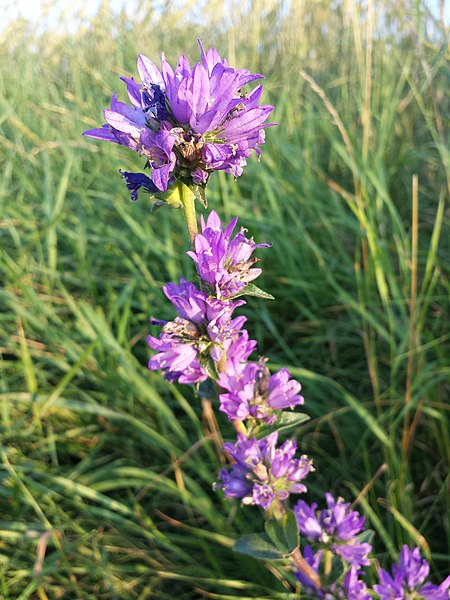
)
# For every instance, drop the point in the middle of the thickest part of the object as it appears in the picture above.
(284, 532)
(366, 536)
(200, 194)
(252, 290)
(208, 390)
(209, 365)
(285, 422)
(257, 545)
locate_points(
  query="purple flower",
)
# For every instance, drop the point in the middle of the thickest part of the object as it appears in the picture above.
(262, 473)
(224, 263)
(408, 580)
(352, 588)
(202, 331)
(252, 392)
(239, 351)
(335, 528)
(190, 121)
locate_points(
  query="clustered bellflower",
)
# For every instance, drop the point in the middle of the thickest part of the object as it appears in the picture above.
(408, 580)
(252, 392)
(204, 329)
(263, 474)
(335, 528)
(186, 122)
(205, 338)
(223, 263)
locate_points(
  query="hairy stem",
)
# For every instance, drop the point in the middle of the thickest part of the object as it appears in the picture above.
(188, 201)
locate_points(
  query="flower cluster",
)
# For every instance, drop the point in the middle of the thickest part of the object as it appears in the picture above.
(203, 330)
(186, 122)
(335, 528)
(251, 392)
(224, 263)
(204, 340)
(263, 474)
(408, 580)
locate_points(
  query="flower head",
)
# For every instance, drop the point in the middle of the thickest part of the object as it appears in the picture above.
(224, 263)
(188, 122)
(335, 527)
(251, 391)
(408, 580)
(351, 587)
(202, 331)
(262, 473)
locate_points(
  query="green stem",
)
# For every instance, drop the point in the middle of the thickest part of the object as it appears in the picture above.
(188, 201)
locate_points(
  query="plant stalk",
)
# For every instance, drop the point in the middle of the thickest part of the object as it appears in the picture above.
(187, 199)
(305, 568)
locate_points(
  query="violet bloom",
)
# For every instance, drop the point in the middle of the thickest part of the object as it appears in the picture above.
(408, 580)
(335, 528)
(351, 588)
(202, 331)
(263, 474)
(251, 391)
(224, 263)
(188, 122)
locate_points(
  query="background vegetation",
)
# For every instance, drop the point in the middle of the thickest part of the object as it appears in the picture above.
(106, 470)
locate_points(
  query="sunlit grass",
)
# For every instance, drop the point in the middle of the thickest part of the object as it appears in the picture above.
(106, 469)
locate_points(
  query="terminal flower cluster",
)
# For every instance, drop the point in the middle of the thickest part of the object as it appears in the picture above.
(186, 122)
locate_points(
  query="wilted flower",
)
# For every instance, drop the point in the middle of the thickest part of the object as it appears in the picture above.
(136, 181)
(202, 331)
(190, 121)
(335, 527)
(408, 580)
(263, 474)
(253, 392)
(224, 263)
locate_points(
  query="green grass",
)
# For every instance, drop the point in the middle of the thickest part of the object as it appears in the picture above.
(106, 469)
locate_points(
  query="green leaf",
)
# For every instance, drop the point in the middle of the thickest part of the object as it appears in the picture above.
(285, 422)
(284, 532)
(252, 290)
(200, 194)
(209, 365)
(366, 536)
(259, 546)
(208, 389)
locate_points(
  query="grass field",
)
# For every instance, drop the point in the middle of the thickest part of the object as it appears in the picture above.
(106, 469)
